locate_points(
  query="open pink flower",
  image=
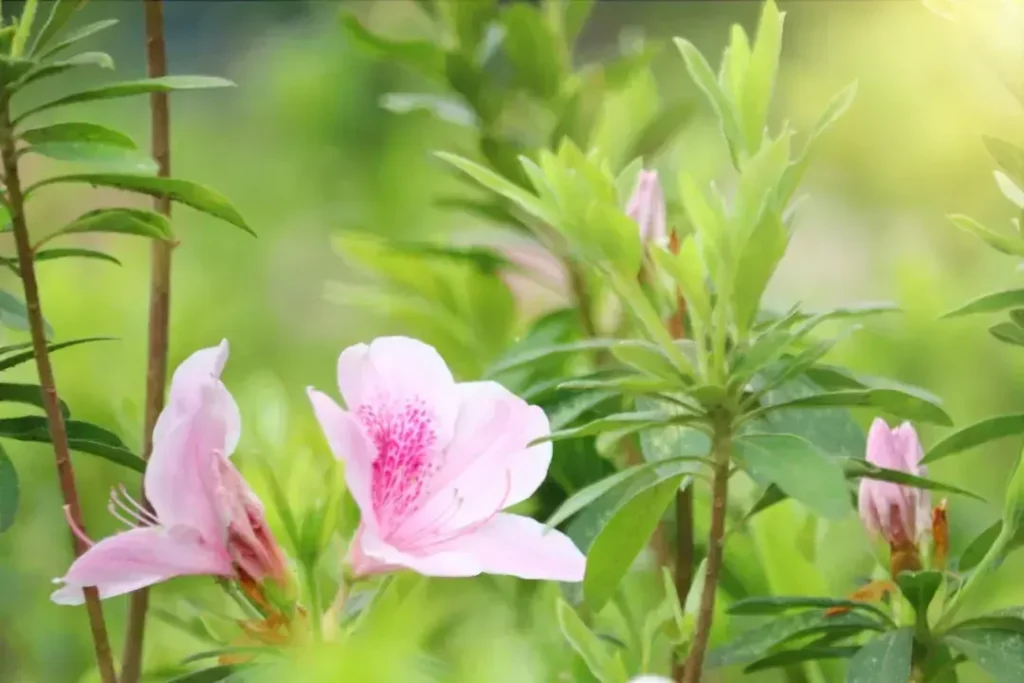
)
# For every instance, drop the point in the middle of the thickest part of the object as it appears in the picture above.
(646, 206)
(431, 464)
(205, 519)
(902, 514)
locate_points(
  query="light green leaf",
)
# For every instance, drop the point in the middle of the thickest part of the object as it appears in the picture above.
(648, 359)
(533, 49)
(1014, 246)
(73, 37)
(1008, 156)
(1008, 333)
(886, 659)
(796, 467)
(97, 59)
(588, 646)
(999, 652)
(420, 55)
(660, 131)
(130, 88)
(1009, 189)
(9, 492)
(444, 108)
(140, 222)
(759, 258)
(1013, 505)
(19, 358)
(631, 421)
(689, 274)
(974, 435)
(919, 588)
(532, 355)
(759, 81)
(897, 402)
(82, 436)
(88, 142)
(70, 252)
(60, 14)
(77, 132)
(184, 192)
(990, 303)
(494, 182)
(618, 544)
(704, 78)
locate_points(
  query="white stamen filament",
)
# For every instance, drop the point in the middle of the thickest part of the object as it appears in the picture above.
(137, 516)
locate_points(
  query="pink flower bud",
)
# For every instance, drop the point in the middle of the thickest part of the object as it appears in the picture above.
(647, 207)
(901, 514)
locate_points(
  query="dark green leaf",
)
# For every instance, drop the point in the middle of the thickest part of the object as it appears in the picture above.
(978, 547)
(82, 436)
(13, 70)
(805, 654)
(631, 421)
(18, 359)
(999, 652)
(886, 659)
(771, 604)
(533, 49)
(77, 132)
(533, 355)
(13, 313)
(86, 142)
(1008, 333)
(919, 588)
(861, 468)
(99, 59)
(130, 88)
(70, 252)
(976, 434)
(184, 192)
(9, 493)
(993, 622)
(121, 221)
(895, 401)
(661, 131)
(798, 469)
(420, 55)
(211, 675)
(27, 394)
(618, 544)
(60, 15)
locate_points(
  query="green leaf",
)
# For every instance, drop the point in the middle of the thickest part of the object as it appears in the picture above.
(632, 421)
(444, 108)
(13, 313)
(13, 70)
(704, 78)
(130, 88)
(805, 654)
(886, 659)
(588, 645)
(82, 436)
(87, 142)
(98, 59)
(212, 675)
(60, 15)
(1013, 503)
(759, 258)
(494, 182)
(70, 252)
(1003, 620)
(919, 588)
(999, 652)
(861, 468)
(27, 394)
(140, 222)
(18, 359)
(648, 359)
(73, 37)
(184, 192)
(777, 604)
(530, 356)
(759, 81)
(895, 401)
(534, 50)
(835, 109)
(1008, 156)
(420, 55)
(9, 493)
(618, 544)
(1008, 333)
(796, 467)
(974, 435)
(1013, 246)
(661, 131)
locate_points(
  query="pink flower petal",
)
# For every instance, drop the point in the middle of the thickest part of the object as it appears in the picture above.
(140, 557)
(349, 444)
(371, 555)
(395, 372)
(519, 546)
(195, 430)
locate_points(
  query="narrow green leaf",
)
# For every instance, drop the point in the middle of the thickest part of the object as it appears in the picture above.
(73, 37)
(82, 436)
(1008, 333)
(919, 588)
(618, 544)
(129, 89)
(897, 402)
(999, 652)
(798, 469)
(9, 492)
(587, 645)
(974, 435)
(759, 82)
(777, 604)
(506, 188)
(448, 109)
(594, 492)
(60, 15)
(704, 78)
(184, 192)
(759, 258)
(13, 70)
(856, 468)
(140, 222)
(214, 674)
(648, 359)
(88, 142)
(27, 394)
(421, 55)
(13, 313)
(1008, 620)
(804, 654)
(1008, 156)
(77, 131)
(97, 59)
(1013, 246)
(661, 131)
(533, 355)
(70, 252)
(886, 659)
(18, 359)
(835, 109)
(632, 421)
(533, 48)
(24, 30)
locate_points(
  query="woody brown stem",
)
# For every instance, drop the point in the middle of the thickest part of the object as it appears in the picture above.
(51, 401)
(159, 309)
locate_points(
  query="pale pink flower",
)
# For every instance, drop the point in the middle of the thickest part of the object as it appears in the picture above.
(205, 519)
(431, 464)
(900, 513)
(646, 206)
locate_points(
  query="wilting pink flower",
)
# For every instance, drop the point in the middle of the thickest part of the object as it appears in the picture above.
(646, 206)
(902, 514)
(431, 464)
(205, 519)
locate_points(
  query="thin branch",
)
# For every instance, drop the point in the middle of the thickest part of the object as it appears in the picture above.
(159, 309)
(51, 401)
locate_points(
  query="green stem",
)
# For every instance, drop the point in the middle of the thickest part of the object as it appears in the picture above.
(313, 591)
(983, 568)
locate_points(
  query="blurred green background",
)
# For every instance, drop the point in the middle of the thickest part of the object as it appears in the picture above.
(304, 150)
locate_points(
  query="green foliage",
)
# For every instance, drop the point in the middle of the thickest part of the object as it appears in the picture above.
(605, 667)
(9, 492)
(886, 659)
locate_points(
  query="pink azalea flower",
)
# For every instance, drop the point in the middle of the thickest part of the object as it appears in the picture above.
(646, 206)
(902, 514)
(431, 464)
(205, 519)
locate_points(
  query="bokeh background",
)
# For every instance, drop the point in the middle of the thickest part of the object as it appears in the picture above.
(306, 153)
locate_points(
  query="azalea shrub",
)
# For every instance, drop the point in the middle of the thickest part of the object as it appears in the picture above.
(588, 398)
